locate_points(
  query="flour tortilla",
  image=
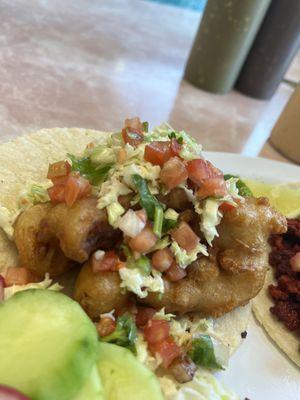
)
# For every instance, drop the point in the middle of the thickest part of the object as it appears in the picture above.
(26, 159)
(285, 339)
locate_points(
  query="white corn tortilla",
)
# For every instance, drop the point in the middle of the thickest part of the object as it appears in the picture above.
(26, 159)
(285, 339)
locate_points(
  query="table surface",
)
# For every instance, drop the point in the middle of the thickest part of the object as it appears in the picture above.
(92, 63)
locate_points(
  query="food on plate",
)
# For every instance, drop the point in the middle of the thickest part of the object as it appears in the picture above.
(277, 305)
(170, 251)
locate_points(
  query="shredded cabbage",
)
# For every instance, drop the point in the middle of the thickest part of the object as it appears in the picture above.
(114, 211)
(161, 314)
(171, 214)
(136, 282)
(210, 218)
(204, 386)
(45, 284)
(185, 258)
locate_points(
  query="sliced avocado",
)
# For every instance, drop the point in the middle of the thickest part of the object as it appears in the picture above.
(92, 389)
(48, 345)
(124, 377)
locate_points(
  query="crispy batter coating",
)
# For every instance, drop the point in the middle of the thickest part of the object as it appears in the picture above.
(80, 229)
(36, 254)
(235, 271)
(99, 292)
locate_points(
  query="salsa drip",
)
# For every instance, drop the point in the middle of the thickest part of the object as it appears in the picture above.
(286, 294)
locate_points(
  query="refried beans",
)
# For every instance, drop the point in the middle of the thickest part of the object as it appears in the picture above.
(286, 294)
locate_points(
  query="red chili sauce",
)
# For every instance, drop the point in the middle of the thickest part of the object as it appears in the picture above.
(286, 294)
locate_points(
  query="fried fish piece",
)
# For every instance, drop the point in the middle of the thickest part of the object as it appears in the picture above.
(99, 292)
(80, 229)
(235, 270)
(35, 253)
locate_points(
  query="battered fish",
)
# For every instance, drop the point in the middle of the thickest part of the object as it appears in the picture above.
(235, 270)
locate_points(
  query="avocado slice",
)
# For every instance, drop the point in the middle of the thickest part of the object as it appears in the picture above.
(124, 377)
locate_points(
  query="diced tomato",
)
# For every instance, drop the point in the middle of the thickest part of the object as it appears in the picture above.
(162, 259)
(225, 207)
(168, 350)
(156, 330)
(58, 170)
(215, 187)
(106, 326)
(77, 187)
(57, 193)
(119, 264)
(175, 273)
(185, 236)
(175, 147)
(173, 172)
(158, 152)
(132, 136)
(19, 276)
(199, 170)
(144, 241)
(106, 263)
(144, 314)
(69, 189)
(134, 123)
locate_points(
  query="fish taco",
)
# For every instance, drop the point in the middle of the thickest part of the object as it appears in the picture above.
(164, 250)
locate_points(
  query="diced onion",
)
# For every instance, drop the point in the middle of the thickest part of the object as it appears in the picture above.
(130, 224)
(99, 254)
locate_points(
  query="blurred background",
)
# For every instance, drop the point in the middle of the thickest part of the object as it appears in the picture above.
(92, 63)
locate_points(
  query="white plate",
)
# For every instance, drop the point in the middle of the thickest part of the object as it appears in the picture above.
(259, 370)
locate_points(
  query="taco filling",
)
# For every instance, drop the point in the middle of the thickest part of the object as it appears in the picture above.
(165, 240)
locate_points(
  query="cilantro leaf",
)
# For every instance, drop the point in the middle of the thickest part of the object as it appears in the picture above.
(202, 352)
(145, 126)
(242, 187)
(125, 334)
(168, 224)
(147, 200)
(83, 165)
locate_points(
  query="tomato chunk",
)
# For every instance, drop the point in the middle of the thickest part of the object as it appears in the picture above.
(158, 152)
(185, 236)
(69, 189)
(106, 326)
(144, 241)
(162, 259)
(199, 170)
(76, 188)
(175, 147)
(215, 187)
(57, 193)
(132, 136)
(58, 170)
(156, 330)
(168, 350)
(133, 123)
(19, 276)
(175, 273)
(144, 314)
(173, 172)
(225, 207)
(107, 262)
